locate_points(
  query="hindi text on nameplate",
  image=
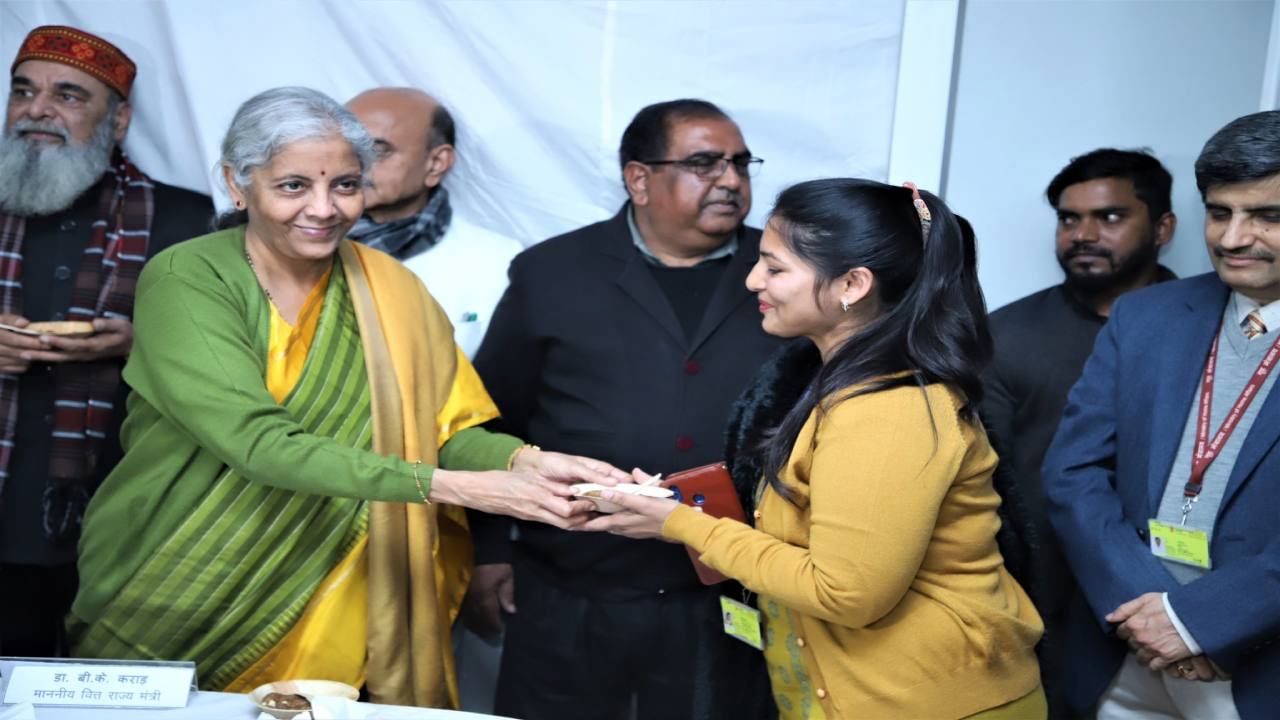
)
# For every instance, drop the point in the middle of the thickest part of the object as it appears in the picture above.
(97, 685)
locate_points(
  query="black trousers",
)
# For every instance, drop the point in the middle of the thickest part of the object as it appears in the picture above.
(1054, 665)
(568, 657)
(34, 602)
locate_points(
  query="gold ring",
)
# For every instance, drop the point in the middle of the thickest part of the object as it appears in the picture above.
(1186, 670)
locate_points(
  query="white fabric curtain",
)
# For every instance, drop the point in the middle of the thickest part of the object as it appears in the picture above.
(541, 90)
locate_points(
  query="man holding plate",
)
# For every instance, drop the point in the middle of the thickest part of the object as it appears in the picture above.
(77, 222)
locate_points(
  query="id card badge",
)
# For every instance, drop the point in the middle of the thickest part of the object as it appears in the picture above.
(741, 622)
(1179, 544)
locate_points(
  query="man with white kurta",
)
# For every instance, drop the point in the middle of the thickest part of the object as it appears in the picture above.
(409, 214)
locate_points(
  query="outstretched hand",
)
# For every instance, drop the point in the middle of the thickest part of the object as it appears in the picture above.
(518, 495)
(641, 518)
(566, 469)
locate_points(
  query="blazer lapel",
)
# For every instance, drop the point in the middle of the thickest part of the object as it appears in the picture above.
(1260, 440)
(636, 281)
(730, 293)
(1177, 381)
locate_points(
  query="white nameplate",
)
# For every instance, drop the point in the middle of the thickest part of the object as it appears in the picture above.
(98, 685)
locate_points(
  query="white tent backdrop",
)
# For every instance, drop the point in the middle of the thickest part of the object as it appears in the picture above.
(541, 91)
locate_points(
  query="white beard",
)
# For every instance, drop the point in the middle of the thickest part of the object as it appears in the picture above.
(42, 180)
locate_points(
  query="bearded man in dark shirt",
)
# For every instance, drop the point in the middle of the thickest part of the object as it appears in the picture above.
(1114, 215)
(77, 222)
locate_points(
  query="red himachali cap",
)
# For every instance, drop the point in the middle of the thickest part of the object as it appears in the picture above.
(82, 51)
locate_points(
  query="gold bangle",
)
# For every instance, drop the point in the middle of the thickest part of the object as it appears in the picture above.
(511, 461)
(418, 481)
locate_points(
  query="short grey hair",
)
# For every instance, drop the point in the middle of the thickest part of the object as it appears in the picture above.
(272, 119)
(1247, 149)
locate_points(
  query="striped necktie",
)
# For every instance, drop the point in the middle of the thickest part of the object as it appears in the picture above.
(1253, 326)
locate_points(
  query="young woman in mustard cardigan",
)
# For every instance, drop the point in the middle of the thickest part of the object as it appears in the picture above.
(881, 590)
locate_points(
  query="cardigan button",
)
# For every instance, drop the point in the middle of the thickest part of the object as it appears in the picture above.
(822, 694)
(799, 642)
(757, 514)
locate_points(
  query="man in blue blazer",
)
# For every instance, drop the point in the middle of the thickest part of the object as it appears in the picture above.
(1163, 481)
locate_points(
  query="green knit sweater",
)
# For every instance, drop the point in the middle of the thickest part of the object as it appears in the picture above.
(200, 404)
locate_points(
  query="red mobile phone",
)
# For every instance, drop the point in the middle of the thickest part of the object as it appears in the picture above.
(711, 488)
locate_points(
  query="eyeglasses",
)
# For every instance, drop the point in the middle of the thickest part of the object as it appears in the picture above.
(709, 166)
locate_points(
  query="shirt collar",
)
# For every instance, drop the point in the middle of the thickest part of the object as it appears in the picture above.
(1242, 305)
(637, 239)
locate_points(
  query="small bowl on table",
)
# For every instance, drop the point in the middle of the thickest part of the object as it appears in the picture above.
(304, 688)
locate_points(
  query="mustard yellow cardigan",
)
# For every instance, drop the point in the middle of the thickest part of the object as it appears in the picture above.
(888, 561)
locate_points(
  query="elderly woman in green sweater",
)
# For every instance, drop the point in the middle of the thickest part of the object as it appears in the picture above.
(301, 439)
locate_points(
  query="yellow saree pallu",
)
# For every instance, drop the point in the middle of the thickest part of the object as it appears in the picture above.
(420, 556)
(329, 639)
(258, 581)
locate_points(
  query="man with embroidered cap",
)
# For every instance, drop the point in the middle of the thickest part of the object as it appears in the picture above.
(1161, 481)
(77, 222)
(410, 214)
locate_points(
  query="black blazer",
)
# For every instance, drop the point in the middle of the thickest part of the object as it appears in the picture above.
(585, 355)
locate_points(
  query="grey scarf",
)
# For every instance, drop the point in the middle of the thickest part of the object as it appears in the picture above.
(407, 237)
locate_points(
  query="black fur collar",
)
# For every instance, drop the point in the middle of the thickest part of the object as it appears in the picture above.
(777, 385)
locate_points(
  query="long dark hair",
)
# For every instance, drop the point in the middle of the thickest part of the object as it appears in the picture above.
(932, 326)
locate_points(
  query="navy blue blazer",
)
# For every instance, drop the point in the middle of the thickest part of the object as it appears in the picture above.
(1104, 476)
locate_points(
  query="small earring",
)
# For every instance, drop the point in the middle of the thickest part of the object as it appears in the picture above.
(844, 305)
(239, 205)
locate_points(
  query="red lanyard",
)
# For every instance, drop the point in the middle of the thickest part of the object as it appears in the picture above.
(1206, 450)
